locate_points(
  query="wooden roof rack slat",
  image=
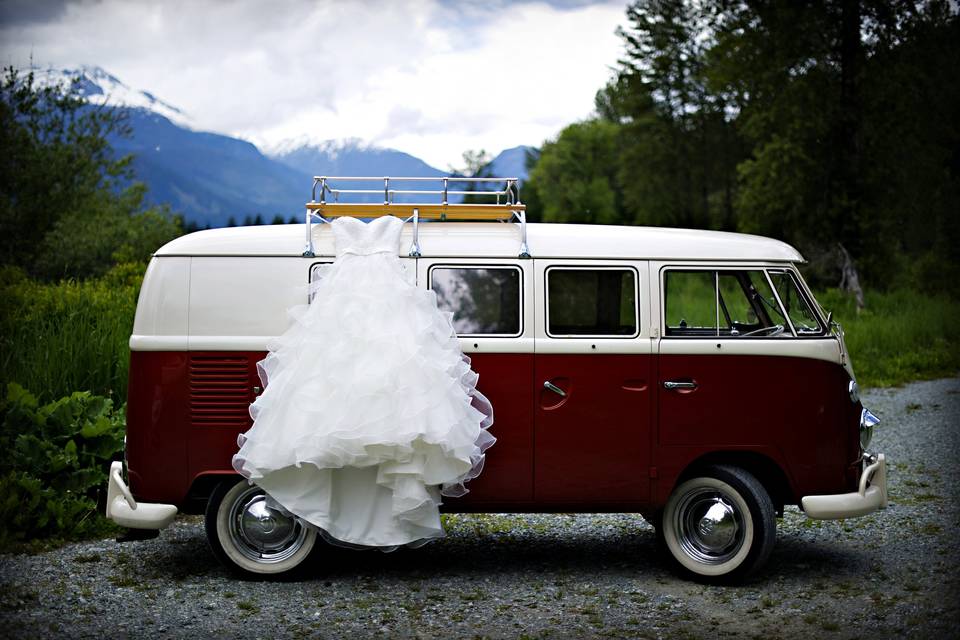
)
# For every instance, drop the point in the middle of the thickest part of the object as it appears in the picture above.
(503, 203)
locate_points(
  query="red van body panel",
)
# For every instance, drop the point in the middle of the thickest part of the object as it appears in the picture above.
(593, 444)
(794, 411)
(185, 410)
(617, 442)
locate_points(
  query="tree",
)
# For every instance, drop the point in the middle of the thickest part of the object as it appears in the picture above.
(118, 231)
(575, 178)
(476, 164)
(822, 124)
(848, 107)
(679, 148)
(61, 186)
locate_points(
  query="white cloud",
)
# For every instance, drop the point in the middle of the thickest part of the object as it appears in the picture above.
(430, 77)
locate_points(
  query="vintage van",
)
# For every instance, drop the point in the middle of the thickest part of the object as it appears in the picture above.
(689, 376)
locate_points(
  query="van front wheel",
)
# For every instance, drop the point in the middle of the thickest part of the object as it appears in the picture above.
(720, 525)
(250, 537)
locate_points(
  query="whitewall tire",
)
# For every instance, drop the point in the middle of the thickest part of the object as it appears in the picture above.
(249, 537)
(720, 525)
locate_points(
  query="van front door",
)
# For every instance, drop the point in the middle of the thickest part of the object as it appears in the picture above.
(592, 384)
(733, 376)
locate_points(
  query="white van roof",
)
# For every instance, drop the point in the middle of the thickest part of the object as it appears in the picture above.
(492, 239)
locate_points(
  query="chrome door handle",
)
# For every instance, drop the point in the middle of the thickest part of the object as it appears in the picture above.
(552, 387)
(670, 385)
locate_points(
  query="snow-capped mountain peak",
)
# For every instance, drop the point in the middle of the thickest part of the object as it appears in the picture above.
(329, 148)
(99, 87)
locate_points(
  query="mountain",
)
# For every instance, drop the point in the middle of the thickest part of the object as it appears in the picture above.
(210, 177)
(511, 163)
(207, 177)
(350, 157)
(100, 88)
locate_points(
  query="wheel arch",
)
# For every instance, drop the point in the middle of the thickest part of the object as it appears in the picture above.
(765, 469)
(202, 488)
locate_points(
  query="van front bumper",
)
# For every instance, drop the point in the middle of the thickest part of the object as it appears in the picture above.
(872, 495)
(127, 512)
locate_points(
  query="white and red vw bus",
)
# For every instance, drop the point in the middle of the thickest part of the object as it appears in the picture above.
(689, 376)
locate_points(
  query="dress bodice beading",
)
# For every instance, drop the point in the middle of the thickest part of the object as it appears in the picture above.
(357, 238)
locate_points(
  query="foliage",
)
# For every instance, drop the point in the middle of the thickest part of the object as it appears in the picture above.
(67, 207)
(116, 233)
(69, 335)
(476, 164)
(53, 459)
(575, 178)
(679, 150)
(818, 124)
(902, 335)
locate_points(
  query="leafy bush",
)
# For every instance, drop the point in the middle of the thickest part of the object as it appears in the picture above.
(60, 337)
(53, 460)
(116, 232)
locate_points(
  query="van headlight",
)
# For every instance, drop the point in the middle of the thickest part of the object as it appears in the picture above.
(867, 422)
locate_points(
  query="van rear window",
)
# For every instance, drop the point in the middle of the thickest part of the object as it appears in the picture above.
(591, 302)
(484, 300)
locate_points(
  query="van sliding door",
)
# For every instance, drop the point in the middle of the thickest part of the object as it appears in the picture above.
(592, 383)
(491, 302)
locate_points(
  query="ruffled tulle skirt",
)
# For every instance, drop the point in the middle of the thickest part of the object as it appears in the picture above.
(370, 410)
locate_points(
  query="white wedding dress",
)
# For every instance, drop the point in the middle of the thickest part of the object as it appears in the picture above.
(370, 410)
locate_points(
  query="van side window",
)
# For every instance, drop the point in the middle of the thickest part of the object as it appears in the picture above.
(591, 302)
(721, 303)
(484, 300)
(804, 321)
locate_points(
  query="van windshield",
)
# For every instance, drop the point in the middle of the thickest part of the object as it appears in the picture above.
(804, 320)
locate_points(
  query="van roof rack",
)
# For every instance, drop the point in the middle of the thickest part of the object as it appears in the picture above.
(501, 203)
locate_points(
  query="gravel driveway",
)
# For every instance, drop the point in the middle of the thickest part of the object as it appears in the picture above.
(891, 574)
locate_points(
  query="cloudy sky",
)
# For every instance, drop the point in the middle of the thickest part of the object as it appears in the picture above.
(430, 77)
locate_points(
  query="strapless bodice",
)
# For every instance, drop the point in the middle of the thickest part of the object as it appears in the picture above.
(358, 238)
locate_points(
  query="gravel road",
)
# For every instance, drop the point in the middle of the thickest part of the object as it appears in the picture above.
(892, 574)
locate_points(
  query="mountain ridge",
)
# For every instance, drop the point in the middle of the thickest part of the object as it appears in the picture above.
(210, 178)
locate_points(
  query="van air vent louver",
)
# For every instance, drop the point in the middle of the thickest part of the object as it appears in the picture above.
(220, 392)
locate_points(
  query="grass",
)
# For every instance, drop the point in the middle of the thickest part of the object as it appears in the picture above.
(57, 338)
(900, 336)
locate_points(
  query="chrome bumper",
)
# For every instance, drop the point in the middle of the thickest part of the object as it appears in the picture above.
(872, 495)
(127, 512)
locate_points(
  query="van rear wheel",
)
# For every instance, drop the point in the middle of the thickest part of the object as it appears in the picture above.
(720, 525)
(251, 538)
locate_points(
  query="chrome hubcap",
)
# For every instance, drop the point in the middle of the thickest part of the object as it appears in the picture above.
(709, 526)
(261, 533)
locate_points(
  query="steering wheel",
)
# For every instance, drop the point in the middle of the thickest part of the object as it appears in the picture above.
(772, 330)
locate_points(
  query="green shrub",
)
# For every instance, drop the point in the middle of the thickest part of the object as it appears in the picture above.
(60, 337)
(53, 461)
